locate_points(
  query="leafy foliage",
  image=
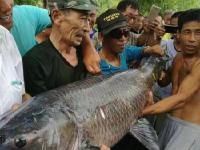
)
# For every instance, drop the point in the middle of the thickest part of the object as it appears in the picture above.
(175, 5)
(145, 5)
(29, 2)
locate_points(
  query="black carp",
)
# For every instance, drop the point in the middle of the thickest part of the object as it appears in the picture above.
(95, 111)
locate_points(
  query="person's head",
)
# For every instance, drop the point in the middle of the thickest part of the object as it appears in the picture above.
(174, 22)
(92, 18)
(129, 8)
(112, 27)
(138, 25)
(174, 18)
(44, 3)
(6, 13)
(189, 31)
(93, 14)
(70, 19)
(167, 16)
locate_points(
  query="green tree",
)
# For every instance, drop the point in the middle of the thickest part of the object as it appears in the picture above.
(29, 2)
(145, 5)
(176, 5)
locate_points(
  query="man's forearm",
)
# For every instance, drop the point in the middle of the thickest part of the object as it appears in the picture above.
(147, 39)
(165, 105)
(91, 57)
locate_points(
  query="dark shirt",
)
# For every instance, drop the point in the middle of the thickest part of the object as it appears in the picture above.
(45, 68)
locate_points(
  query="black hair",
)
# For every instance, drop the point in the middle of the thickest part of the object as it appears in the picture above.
(125, 3)
(44, 3)
(188, 16)
(177, 14)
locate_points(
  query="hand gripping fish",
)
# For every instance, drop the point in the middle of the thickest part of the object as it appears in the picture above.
(82, 115)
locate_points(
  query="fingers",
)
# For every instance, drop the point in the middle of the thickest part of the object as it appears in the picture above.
(93, 68)
(92, 62)
(15, 107)
(26, 97)
(103, 147)
(156, 49)
(150, 100)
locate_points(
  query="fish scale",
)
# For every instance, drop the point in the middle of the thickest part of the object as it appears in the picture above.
(98, 110)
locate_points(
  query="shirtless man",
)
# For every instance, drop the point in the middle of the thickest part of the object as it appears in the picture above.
(182, 126)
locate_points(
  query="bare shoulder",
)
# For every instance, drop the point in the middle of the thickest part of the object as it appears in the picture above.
(178, 58)
(196, 68)
(177, 62)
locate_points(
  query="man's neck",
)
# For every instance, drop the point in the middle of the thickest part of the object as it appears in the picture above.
(61, 45)
(189, 60)
(110, 57)
(67, 51)
(177, 45)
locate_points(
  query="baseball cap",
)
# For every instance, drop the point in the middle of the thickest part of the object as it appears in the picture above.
(72, 4)
(110, 20)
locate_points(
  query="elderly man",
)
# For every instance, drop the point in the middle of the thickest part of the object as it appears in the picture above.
(12, 90)
(59, 61)
(26, 21)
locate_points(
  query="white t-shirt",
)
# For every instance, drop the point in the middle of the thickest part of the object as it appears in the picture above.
(11, 72)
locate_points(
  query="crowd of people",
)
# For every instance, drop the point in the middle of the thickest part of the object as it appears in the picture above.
(44, 48)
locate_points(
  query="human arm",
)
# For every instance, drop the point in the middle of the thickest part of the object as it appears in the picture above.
(91, 58)
(175, 69)
(155, 49)
(136, 53)
(188, 87)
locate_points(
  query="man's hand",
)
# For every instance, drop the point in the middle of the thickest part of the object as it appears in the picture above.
(15, 107)
(159, 31)
(103, 147)
(156, 49)
(149, 102)
(26, 97)
(91, 60)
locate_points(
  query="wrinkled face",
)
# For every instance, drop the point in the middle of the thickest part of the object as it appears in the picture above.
(72, 26)
(190, 38)
(116, 39)
(6, 13)
(130, 13)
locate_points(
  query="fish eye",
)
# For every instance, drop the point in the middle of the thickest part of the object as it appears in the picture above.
(20, 142)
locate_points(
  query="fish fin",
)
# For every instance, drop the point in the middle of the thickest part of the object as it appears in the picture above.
(145, 133)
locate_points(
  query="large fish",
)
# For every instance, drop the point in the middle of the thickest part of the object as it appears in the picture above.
(79, 116)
